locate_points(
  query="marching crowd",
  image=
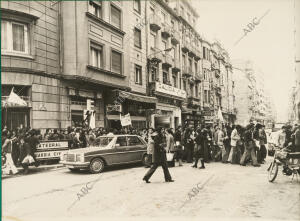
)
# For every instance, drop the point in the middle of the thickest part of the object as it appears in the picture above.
(228, 144)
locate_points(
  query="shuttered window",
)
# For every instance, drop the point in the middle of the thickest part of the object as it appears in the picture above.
(116, 62)
(137, 38)
(115, 14)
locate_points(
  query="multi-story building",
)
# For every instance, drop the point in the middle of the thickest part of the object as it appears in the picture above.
(30, 64)
(253, 102)
(144, 58)
(294, 116)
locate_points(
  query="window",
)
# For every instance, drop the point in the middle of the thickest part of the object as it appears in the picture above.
(115, 14)
(121, 141)
(95, 8)
(165, 77)
(206, 97)
(152, 41)
(184, 85)
(197, 90)
(183, 61)
(134, 141)
(138, 74)
(174, 80)
(153, 73)
(204, 52)
(116, 62)
(96, 55)
(190, 65)
(137, 38)
(14, 37)
(196, 67)
(137, 5)
(164, 47)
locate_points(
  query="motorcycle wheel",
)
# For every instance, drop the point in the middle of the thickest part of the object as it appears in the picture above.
(273, 172)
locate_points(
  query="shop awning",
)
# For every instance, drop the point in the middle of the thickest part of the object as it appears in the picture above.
(136, 97)
(83, 79)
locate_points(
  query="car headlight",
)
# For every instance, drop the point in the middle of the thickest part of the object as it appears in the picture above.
(63, 157)
(80, 157)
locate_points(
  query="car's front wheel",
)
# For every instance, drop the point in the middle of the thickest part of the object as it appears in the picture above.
(97, 165)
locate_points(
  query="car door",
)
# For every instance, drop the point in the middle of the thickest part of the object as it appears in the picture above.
(121, 150)
(136, 147)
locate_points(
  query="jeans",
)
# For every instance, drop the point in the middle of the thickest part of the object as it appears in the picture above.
(153, 169)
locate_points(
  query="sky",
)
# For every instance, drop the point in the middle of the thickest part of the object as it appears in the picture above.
(270, 44)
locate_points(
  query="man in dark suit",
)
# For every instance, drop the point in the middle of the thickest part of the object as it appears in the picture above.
(159, 157)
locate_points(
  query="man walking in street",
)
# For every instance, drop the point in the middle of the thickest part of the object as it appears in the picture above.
(249, 147)
(159, 157)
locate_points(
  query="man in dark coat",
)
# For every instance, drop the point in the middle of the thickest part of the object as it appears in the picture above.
(33, 142)
(159, 157)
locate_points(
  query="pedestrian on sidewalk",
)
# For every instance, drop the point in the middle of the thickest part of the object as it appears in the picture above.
(159, 157)
(9, 166)
(189, 144)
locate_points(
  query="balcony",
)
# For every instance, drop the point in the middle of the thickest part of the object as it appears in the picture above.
(155, 55)
(187, 72)
(155, 22)
(176, 65)
(186, 47)
(194, 101)
(175, 37)
(215, 66)
(198, 78)
(197, 54)
(159, 88)
(167, 61)
(192, 52)
(166, 30)
(217, 73)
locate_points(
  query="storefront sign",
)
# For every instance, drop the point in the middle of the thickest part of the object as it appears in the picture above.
(52, 145)
(167, 89)
(113, 107)
(49, 154)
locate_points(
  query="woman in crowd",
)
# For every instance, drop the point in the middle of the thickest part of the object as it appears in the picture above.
(178, 145)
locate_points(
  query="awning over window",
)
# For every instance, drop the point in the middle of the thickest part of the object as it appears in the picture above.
(136, 97)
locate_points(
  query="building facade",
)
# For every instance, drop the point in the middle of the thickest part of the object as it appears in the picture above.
(253, 102)
(111, 58)
(30, 64)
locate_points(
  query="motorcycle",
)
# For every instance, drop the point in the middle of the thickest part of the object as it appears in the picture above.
(289, 161)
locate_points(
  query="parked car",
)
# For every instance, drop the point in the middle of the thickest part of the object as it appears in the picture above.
(108, 150)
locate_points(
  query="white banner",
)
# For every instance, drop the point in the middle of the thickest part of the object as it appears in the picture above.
(92, 119)
(49, 154)
(52, 145)
(125, 120)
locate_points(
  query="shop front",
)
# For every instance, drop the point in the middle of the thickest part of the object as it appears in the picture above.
(13, 115)
(138, 106)
(167, 116)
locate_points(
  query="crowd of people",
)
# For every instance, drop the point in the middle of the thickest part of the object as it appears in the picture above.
(228, 144)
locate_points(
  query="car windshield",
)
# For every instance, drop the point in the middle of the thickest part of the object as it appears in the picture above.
(103, 141)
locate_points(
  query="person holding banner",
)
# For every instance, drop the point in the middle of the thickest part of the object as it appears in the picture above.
(159, 157)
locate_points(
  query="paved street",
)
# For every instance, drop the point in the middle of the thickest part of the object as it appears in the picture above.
(228, 191)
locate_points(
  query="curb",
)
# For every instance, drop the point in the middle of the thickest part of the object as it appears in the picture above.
(35, 169)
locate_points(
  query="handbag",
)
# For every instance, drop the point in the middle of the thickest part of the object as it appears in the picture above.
(170, 156)
(28, 160)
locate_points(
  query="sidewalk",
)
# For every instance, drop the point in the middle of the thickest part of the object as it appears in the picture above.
(34, 170)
